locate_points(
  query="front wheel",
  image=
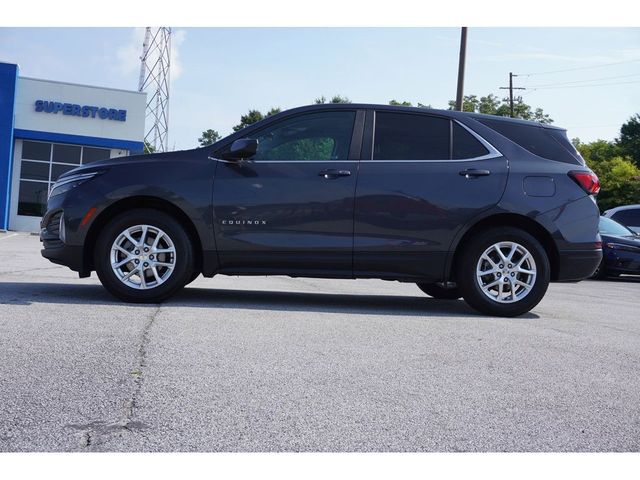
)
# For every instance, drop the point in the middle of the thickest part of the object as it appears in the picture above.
(143, 256)
(503, 272)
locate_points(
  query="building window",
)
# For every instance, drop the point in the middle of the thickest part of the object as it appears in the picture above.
(42, 164)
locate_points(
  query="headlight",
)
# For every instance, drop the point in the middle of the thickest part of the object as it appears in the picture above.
(67, 183)
(620, 246)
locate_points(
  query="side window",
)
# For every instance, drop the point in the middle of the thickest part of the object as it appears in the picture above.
(465, 145)
(405, 136)
(629, 217)
(314, 136)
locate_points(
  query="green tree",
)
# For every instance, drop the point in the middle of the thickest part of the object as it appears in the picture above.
(597, 150)
(334, 99)
(400, 104)
(619, 176)
(629, 140)
(209, 137)
(254, 116)
(492, 105)
(148, 148)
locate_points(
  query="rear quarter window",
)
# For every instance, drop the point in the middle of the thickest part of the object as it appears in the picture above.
(547, 143)
(465, 145)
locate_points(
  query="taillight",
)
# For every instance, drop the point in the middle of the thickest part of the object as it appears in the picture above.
(587, 180)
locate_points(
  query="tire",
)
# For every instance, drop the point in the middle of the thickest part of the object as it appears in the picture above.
(194, 275)
(600, 273)
(436, 291)
(506, 298)
(168, 270)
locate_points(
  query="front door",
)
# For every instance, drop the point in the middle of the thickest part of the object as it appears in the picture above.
(289, 208)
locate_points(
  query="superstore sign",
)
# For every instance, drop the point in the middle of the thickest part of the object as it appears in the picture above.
(83, 111)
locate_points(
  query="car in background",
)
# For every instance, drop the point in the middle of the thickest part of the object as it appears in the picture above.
(627, 215)
(620, 248)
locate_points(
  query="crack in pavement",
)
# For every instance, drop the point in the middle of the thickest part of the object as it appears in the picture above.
(99, 432)
(141, 363)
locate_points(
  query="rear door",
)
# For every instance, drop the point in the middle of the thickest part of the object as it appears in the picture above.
(289, 208)
(422, 178)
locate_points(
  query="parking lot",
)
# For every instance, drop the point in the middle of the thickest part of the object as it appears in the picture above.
(280, 364)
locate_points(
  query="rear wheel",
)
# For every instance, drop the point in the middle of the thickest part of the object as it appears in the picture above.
(503, 272)
(143, 256)
(436, 291)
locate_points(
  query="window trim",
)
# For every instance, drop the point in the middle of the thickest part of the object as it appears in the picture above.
(371, 137)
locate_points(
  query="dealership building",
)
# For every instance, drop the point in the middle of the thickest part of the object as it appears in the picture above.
(48, 128)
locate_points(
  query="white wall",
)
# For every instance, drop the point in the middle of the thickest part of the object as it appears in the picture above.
(29, 90)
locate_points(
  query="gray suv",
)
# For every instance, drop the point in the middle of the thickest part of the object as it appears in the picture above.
(485, 208)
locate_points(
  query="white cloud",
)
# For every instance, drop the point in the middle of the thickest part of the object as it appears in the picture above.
(128, 55)
(177, 39)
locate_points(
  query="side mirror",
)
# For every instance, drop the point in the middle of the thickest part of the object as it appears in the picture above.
(242, 148)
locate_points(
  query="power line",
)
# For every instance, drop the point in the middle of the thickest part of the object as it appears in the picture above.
(579, 68)
(584, 81)
(582, 86)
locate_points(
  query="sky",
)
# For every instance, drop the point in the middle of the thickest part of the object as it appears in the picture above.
(586, 79)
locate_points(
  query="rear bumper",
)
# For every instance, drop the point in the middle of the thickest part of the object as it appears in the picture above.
(576, 265)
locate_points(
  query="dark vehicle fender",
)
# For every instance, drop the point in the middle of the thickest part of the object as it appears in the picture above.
(189, 201)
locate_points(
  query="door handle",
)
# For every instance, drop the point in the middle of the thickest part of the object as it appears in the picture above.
(474, 172)
(334, 173)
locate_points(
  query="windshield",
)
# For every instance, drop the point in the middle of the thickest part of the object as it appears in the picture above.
(611, 227)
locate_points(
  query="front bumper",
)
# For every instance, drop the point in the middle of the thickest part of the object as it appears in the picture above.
(55, 250)
(67, 255)
(622, 262)
(576, 265)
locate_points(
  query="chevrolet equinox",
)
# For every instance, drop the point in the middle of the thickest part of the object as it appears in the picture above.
(485, 208)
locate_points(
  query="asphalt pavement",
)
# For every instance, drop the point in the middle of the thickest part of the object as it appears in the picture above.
(281, 364)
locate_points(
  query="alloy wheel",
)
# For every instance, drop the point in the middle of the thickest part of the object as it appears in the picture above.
(506, 272)
(143, 257)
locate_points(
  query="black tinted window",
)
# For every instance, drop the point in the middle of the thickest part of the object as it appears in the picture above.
(57, 170)
(36, 150)
(34, 170)
(315, 136)
(466, 145)
(403, 136)
(629, 217)
(90, 154)
(66, 153)
(544, 142)
(32, 199)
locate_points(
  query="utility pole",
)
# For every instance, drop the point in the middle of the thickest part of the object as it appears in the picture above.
(511, 88)
(463, 54)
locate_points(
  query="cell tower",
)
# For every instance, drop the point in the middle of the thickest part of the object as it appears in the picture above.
(154, 79)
